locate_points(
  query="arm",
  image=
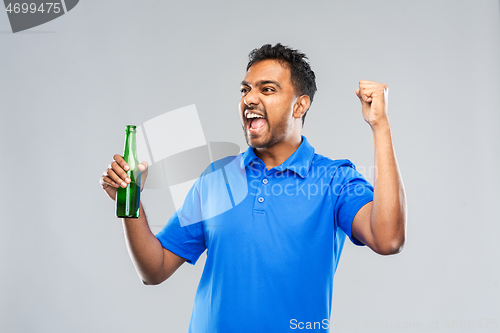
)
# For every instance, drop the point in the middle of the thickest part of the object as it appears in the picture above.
(153, 262)
(381, 224)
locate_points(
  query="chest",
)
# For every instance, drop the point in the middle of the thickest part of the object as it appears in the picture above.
(277, 210)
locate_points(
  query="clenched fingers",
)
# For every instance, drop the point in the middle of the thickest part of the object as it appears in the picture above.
(121, 162)
(105, 180)
(117, 174)
(369, 89)
(363, 96)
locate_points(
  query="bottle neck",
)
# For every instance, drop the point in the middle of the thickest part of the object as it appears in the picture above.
(130, 151)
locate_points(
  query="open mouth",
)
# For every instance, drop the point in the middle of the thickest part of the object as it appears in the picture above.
(256, 121)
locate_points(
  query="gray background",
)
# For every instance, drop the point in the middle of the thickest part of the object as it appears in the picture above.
(69, 87)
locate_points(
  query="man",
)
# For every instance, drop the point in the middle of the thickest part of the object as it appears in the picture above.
(271, 257)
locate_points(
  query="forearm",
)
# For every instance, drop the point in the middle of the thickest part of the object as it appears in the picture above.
(388, 215)
(144, 249)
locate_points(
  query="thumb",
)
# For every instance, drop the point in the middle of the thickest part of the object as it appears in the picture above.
(143, 167)
(358, 93)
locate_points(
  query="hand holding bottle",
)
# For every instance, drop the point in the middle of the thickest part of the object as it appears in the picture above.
(115, 176)
(122, 182)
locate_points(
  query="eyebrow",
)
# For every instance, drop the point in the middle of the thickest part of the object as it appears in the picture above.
(261, 83)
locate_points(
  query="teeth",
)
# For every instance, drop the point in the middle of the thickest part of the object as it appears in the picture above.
(253, 115)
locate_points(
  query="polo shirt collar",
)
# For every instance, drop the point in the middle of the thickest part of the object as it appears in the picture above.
(299, 162)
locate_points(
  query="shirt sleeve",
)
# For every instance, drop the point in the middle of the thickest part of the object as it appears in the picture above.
(355, 192)
(184, 234)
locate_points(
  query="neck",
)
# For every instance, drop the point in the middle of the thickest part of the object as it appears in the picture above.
(278, 153)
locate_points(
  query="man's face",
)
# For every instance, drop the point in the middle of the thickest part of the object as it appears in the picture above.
(266, 105)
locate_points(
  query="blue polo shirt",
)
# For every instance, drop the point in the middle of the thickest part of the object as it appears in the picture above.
(273, 240)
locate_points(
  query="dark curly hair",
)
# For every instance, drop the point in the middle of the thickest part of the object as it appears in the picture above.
(302, 76)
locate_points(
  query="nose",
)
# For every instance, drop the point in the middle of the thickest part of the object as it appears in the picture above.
(251, 98)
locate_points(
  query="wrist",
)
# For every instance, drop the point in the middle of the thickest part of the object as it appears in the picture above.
(381, 126)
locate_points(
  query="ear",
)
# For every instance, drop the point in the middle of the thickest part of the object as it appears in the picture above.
(301, 106)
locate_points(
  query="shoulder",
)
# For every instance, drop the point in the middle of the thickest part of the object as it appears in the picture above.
(333, 167)
(227, 163)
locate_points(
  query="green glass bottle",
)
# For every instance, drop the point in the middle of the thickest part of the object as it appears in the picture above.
(128, 199)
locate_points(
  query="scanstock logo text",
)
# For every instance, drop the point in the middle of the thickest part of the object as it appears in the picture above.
(29, 14)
